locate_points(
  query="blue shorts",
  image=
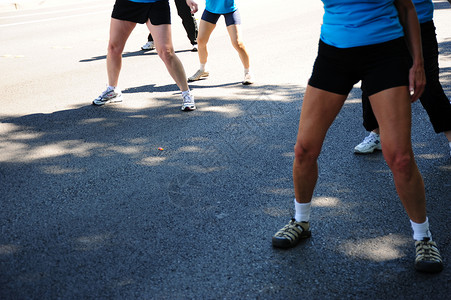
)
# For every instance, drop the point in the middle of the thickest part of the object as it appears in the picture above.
(379, 67)
(232, 18)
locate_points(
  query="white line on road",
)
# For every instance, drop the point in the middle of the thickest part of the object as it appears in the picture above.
(53, 12)
(53, 19)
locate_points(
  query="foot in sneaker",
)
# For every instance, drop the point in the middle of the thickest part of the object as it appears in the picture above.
(198, 75)
(109, 95)
(248, 79)
(370, 143)
(290, 235)
(188, 102)
(148, 46)
(427, 257)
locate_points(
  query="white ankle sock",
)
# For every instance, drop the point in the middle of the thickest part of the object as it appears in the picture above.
(202, 67)
(247, 71)
(302, 211)
(111, 88)
(421, 230)
(185, 92)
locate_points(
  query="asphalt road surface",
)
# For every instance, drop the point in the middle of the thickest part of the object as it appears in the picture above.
(92, 209)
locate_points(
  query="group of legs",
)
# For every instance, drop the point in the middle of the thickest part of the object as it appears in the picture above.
(433, 99)
(156, 15)
(389, 95)
(188, 21)
(387, 88)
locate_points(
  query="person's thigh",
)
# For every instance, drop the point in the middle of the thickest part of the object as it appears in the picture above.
(234, 33)
(392, 108)
(319, 109)
(205, 30)
(162, 35)
(119, 32)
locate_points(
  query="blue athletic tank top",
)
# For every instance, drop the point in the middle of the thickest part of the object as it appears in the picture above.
(220, 6)
(353, 23)
(425, 10)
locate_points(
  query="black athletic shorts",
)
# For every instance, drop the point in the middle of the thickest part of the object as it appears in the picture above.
(158, 12)
(380, 67)
(233, 18)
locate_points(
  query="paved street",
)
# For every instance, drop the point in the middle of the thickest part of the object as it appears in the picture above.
(92, 209)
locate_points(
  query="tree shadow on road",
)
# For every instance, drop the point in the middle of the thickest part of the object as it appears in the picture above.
(124, 202)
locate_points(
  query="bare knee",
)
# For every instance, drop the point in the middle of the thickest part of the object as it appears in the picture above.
(401, 163)
(238, 45)
(115, 50)
(305, 154)
(166, 54)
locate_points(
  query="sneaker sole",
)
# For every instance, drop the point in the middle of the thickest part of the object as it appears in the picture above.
(196, 79)
(366, 152)
(429, 267)
(285, 244)
(106, 102)
(188, 108)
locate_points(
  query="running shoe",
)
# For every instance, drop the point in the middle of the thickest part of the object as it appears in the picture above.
(248, 79)
(370, 143)
(188, 102)
(198, 75)
(427, 257)
(291, 234)
(148, 46)
(109, 95)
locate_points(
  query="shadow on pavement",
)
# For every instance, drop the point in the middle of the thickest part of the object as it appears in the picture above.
(91, 207)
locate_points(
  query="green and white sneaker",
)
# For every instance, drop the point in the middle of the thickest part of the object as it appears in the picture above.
(290, 235)
(427, 257)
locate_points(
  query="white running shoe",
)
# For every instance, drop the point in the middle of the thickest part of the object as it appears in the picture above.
(109, 95)
(188, 102)
(198, 75)
(248, 79)
(370, 143)
(148, 46)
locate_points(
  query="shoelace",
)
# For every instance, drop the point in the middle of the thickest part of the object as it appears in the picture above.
(428, 251)
(187, 99)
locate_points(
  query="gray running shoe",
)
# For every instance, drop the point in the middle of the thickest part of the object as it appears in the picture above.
(198, 75)
(370, 143)
(188, 102)
(427, 257)
(108, 96)
(290, 235)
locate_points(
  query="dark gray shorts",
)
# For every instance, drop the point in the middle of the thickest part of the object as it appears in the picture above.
(379, 67)
(158, 12)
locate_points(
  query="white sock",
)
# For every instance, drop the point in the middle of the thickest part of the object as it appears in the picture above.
(247, 71)
(202, 67)
(302, 211)
(111, 88)
(187, 92)
(421, 231)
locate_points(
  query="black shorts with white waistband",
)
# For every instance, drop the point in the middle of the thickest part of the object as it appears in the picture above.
(379, 66)
(158, 12)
